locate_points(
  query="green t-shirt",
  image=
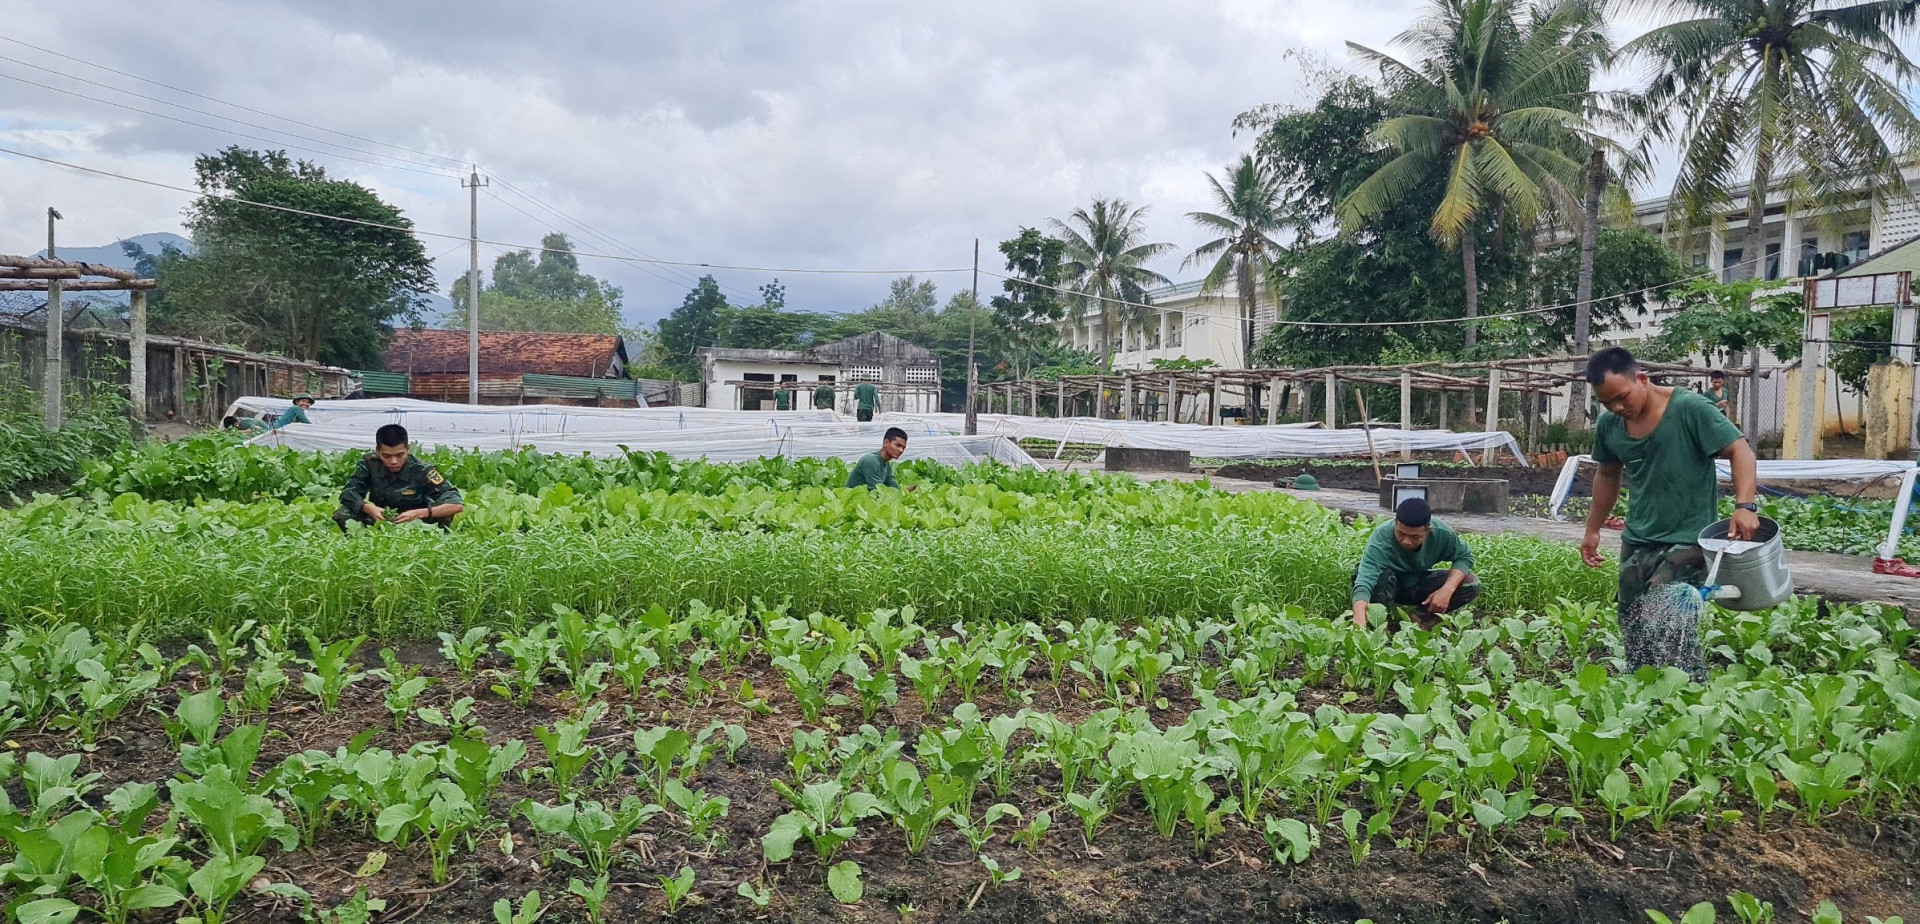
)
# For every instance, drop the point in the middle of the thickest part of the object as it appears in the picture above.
(1672, 489)
(823, 396)
(1384, 554)
(866, 396)
(871, 472)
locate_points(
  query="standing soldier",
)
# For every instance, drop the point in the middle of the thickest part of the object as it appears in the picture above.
(1664, 440)
(823, 396)
(390, 478)
(865, 397)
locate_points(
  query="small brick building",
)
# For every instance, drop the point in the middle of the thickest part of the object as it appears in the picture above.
(516, 367)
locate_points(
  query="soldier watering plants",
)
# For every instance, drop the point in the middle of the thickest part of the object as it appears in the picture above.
(390, 479)
(1665, 441)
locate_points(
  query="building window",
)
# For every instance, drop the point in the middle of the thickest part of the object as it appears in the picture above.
(1773, 261)
(1730, 268)
(1854, 245)
(1176, 328)
(1700, 261)
(1809, 248)
(863, 373)
(922, 375)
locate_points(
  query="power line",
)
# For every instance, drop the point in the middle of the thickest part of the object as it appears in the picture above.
(456, 162)
(154, 99)
(522, 211)
(583, 226)
(216, 128)
(461, 237)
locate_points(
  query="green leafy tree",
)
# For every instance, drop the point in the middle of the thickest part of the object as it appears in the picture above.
(1030, 305)
(1104, 264)
(1486, 113)
(1806, 94)
(1249, 216)
(696, 323)
(298, 284)
(544, 293)
(1718, 320)
(1623, 265)
(1860, 339)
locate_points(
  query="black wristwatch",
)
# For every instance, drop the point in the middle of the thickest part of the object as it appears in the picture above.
(1749, 506)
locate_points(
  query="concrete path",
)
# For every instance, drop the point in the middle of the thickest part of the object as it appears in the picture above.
(1836, 577)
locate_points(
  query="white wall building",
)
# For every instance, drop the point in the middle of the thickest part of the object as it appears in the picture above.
(1182, 323)
(908, 376)
(1791, 238)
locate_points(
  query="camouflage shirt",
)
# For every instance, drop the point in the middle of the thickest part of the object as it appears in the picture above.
(415, 486)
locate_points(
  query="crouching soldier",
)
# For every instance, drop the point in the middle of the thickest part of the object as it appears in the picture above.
(390, 478)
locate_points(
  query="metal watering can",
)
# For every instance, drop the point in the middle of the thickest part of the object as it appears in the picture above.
(1754, 570)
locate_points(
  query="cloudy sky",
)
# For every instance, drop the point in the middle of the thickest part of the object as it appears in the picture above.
(821, 135)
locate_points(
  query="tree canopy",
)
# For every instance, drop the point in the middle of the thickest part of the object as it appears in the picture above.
(545, 293)
(298, 284)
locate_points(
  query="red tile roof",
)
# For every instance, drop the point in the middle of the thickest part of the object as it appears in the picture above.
(430, 352)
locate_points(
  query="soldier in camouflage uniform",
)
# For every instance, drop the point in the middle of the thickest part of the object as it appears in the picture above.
(1665, 441)
(390, 478)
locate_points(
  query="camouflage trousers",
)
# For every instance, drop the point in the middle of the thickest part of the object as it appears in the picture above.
(1660, 606)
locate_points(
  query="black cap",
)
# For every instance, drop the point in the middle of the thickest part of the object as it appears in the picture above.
(1414, 512)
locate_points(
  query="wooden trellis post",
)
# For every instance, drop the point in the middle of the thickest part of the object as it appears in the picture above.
(1493, 411)
(1406, 413)
(1332, 406)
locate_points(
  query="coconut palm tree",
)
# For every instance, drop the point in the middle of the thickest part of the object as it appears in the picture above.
(1488, 110)
(1103, 264)
(1250, 213)
(1801, 95)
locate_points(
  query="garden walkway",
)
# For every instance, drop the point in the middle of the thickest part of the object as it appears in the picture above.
(1836, 577)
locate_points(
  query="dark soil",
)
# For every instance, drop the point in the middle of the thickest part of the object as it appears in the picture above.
(1359, 476)
(1128, 873)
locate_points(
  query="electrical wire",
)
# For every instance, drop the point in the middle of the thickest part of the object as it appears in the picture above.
(461, 237)
(226, 131)
(437, 169)
(212, 99)
(522, 211)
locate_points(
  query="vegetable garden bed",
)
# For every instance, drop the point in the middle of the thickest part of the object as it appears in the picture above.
(1006, 697)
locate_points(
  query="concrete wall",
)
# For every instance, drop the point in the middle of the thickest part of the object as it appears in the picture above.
(725, 396)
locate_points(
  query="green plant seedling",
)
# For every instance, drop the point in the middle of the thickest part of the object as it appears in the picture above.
(594, 895)
(529, 912)
(464, 652)
(677, 888)
(844, 881)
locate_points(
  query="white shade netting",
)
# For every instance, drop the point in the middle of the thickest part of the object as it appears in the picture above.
(1786, 470)
(1284, 441)
(681, 432)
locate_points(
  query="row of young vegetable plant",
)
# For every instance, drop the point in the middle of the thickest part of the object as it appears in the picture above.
(979, 741)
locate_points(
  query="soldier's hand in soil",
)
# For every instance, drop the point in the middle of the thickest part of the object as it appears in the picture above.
(1590, 550)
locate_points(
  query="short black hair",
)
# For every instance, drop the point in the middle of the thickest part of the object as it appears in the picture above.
(1716, 374)
(1611, 361)
(1414, 513)
(229, 422)
(893, 433)
(390, 435)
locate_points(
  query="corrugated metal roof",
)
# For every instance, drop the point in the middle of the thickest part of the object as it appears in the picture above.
(444, 352)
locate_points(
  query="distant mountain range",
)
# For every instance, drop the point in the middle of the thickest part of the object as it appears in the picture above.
(112, 255)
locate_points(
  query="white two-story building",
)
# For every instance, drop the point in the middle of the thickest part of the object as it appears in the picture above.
(1183, 323)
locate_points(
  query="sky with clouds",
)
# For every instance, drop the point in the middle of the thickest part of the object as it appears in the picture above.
(826, 135)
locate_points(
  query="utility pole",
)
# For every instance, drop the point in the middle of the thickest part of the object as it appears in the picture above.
(473, 286)
(56, 358)
(973, 418)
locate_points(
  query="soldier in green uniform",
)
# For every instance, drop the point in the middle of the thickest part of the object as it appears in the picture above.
(390, 477)
(1663, 441)
(297, 413)
(1398, 567)
(823, 396)
(865, 398)
(876, 468)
